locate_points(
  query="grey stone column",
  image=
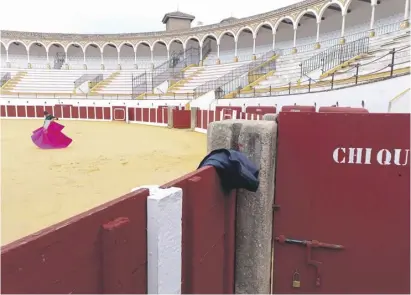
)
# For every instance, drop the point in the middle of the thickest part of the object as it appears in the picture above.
(193, 117)
(257, 139)
(170, 122)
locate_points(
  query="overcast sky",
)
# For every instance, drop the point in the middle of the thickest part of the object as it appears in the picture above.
(119, 16)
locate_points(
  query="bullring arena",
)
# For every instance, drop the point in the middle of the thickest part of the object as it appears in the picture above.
(285, 88)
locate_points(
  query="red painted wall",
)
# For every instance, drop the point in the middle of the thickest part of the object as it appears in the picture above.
(103, 250)
(310, 109)
(181, 119)
(363, 205)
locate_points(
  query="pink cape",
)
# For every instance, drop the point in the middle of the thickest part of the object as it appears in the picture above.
(52, 139)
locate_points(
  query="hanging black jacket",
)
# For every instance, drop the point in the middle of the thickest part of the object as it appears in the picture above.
(234, 169)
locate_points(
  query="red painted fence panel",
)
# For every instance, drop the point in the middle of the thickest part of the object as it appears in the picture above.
(181, 119)
(261, 110)
(100, 251)
(208, 234)
(310, 109)
(343, 179)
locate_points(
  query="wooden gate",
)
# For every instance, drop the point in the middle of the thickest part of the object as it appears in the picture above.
(342, 204)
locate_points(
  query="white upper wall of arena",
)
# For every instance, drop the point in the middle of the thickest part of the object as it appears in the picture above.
(248, 32)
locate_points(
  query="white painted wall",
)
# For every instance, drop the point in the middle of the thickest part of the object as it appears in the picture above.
(402, 103)
(376, 96)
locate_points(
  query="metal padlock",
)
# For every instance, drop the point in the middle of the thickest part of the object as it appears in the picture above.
(296, 280)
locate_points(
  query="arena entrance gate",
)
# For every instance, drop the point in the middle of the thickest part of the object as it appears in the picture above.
(342, 204)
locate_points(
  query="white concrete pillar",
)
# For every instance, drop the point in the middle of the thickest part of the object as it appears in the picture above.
(295, 38)
(118, 57)
(343, 26)
(218, 50)
(273, 41)
(235, 48)
(168, 54)
(201, 53)
(254, 45)
(164, 239)
(47, 55)
(318, 32)
(7, 55)
(407, 10)
(135, 56)
(152, 56)
(373, 5)
(102, 58)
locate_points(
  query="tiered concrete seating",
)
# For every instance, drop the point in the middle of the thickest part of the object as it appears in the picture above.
(49, 81)
(120, 84)
(198, 76)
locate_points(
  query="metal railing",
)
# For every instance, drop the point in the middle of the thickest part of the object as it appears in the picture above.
(5, 78)
(334, 56)
(88, 77)
(396, 62)
(169, 70)
(230, 81)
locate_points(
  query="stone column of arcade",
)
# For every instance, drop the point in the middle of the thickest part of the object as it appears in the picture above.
(253, 252)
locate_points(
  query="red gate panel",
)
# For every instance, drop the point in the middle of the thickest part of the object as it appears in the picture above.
(3, 111)
(91, 113)
(119, 113)
(75, 112)
(31, 111)
(342, 179)
(83, 112)
(21, 111)
(58, 111)
(261, 110)
(11, 111)
(39, 111)
(228, 112)
(99, 113)
(107, 113)
(295, 108)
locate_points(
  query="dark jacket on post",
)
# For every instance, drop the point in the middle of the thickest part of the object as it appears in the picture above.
(234, 169)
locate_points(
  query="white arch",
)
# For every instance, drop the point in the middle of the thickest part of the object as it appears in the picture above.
(191, 38)
(74, 43)
(206, 36)
(259, 27)
(109, 43)
(280, 20)
(39, 42)
(143, 42)
(347, 5)
(124, 43)
(4, 44)
(158, 41)
(324, 8)
(223, 33)
(175, 39)
(242, 29)
(49, 46)
(87, 45)
(18, 41)
(307, 11)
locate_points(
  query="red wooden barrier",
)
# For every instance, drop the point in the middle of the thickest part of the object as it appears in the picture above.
(103, 250)
(261, 110)
(295, 108)
(181, 119)
(341, 110)
(208, 234)
(343, 179)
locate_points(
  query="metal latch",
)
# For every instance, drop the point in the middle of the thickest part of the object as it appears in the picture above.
(310, 244)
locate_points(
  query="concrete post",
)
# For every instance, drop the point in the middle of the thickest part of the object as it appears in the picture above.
(193, 117)
(170, 123)
(257, 139)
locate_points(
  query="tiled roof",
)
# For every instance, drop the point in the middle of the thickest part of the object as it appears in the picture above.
(177, 14)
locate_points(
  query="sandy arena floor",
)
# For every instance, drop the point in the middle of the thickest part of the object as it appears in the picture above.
(105, 160)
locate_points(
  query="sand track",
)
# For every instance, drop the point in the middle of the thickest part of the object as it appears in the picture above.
(106, 160)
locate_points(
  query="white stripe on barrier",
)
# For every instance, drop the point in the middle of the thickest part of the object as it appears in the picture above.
(164, 240)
